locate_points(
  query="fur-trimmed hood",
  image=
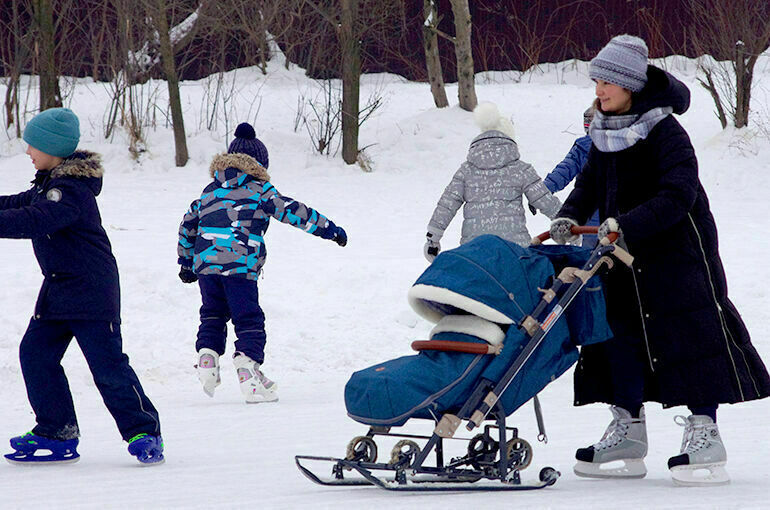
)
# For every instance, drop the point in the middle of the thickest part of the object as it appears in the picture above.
(238, 161)
(80, 164)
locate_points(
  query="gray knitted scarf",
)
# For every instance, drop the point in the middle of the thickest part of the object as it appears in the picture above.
(613, 133)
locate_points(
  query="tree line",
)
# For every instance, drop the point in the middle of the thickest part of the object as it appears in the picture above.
(128, 42)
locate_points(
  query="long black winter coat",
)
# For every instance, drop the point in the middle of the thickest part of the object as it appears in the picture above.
(62, 218)
(674, 299)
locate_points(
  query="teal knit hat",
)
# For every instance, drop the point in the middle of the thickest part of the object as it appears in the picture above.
(55, 131)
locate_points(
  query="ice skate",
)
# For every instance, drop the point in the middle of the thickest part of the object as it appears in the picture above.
(29, 445)
(147, 449)
(621, 451)
(208, 370)
(254, 385)
(702, 458)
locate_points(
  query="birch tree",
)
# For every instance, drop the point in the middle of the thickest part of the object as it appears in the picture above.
(432, 61)
(466, 88)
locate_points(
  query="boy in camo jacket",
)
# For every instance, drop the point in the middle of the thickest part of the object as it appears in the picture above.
(221, 246)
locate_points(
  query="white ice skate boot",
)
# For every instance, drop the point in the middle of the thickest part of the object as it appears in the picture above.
(621, 451)
(254, 385)
(208, 370)
(702, 457)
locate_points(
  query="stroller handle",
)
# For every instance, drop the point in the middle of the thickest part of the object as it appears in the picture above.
(577, 230)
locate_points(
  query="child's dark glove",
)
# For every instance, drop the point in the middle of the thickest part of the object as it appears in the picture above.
(532, 209)
(561, 230)
(187, 275)
(340, 237)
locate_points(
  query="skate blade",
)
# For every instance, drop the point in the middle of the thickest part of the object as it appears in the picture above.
(261, 399)
(622, 468)
(39, 460)
(700, 475)
(208, 390)
(151, 463)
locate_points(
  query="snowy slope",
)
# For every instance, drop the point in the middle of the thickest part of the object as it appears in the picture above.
(333, 310)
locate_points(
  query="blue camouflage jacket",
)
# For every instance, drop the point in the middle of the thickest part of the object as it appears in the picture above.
(223, 231)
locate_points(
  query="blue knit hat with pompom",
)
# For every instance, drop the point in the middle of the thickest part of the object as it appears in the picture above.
(55, 131)
(246, 142)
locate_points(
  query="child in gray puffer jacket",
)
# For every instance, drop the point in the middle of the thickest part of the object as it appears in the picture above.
(490, 183)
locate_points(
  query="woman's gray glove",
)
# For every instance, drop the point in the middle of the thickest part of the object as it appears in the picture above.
(561, 230)
(609, 226)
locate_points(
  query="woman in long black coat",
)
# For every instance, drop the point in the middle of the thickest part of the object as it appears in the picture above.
(678, 338)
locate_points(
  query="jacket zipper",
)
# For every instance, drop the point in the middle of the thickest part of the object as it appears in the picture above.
(641, 317)
(725, 333)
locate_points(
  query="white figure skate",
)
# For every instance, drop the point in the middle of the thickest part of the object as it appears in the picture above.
(702, 458)
(254, 385)
(621, 451)
(208, 370)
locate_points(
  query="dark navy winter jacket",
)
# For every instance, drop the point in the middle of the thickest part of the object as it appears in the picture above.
(62, 218)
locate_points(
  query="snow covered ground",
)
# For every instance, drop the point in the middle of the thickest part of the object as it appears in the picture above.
(331, 310)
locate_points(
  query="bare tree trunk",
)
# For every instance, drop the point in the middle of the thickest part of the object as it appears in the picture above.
(169, 69)
(743, 77)
(735, 33)
(712, 88)
(50, 95)
(14, 74)
(466, 88)
(432, 61)
(351, 79)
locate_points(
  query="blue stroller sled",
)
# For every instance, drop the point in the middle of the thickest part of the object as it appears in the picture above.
(507, 322)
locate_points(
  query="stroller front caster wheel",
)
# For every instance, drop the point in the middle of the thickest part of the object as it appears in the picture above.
(549, 475)
(361, 448)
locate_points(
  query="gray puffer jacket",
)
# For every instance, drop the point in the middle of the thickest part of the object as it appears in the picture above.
(491, 183)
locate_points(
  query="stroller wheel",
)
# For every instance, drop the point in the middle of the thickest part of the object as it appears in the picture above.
(519, 453)
(362, 448)
(549, 475)
(482, 450)
(404, 451)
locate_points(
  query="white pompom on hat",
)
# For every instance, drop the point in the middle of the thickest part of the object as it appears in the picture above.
(488, 117)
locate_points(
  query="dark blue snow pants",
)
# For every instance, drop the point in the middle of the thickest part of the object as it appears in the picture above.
(231, 297)
(41, 352)
(626, 355)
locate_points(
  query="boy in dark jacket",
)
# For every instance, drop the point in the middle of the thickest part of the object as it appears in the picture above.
(80, 298)
(678, 339)
(222, 247)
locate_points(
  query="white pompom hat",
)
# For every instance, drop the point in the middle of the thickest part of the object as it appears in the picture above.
(488, 117)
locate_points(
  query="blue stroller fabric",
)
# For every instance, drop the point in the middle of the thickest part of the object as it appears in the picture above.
(485, 281)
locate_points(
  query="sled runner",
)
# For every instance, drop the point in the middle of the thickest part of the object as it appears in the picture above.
(485, 358)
